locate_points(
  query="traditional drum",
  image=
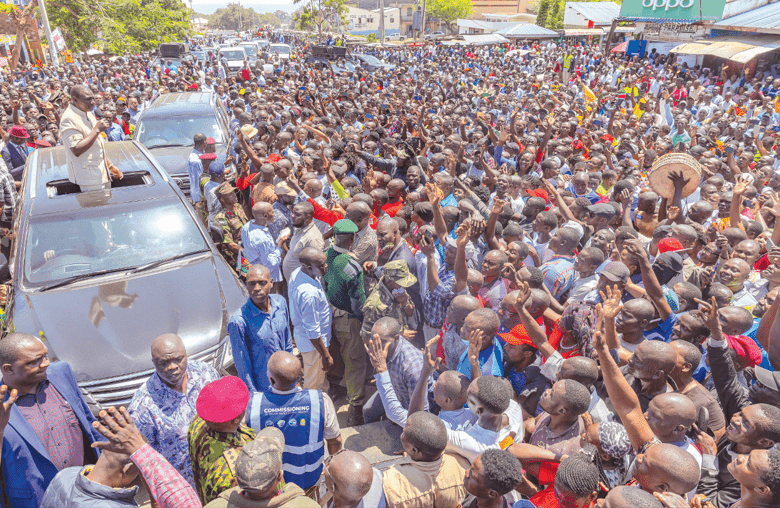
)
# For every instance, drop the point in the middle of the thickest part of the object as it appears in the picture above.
(670, 163)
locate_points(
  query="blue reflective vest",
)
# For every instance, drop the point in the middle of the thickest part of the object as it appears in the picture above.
(300, 417)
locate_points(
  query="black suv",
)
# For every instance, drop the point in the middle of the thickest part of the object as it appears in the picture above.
(168, 125)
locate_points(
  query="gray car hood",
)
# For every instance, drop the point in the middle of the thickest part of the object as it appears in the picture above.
(106, 330)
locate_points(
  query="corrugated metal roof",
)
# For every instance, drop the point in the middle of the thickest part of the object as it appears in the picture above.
(472, 23)
(527, 31)
(484, 39)
(764, 19)
(740, 49)
(601, 13)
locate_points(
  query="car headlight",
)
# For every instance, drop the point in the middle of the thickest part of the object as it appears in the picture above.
(223, 356)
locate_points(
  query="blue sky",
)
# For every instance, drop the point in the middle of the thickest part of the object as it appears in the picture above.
(208, 7)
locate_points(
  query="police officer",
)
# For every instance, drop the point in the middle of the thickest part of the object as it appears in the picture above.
(230, 220)
(343, 284)
(389, 298)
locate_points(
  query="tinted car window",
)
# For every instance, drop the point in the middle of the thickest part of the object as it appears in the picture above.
(250, 50)
(164, 131)
(106, 238)
(232, 55)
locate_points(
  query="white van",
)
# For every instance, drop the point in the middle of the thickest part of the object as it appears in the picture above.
(235, 56)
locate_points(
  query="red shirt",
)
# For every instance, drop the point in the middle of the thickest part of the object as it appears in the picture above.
(392, 208)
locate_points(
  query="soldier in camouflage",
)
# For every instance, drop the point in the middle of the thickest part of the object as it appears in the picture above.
(230, 220)
(389, 298)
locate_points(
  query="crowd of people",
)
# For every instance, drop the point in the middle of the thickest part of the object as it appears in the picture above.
(471, 244)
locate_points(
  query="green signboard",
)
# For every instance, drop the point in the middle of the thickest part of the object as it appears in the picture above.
(677, 10)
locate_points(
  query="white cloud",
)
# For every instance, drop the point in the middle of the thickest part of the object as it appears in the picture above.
(208, 7)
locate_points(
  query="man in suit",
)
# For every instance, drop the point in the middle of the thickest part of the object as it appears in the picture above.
(49, 427)
(15, 152)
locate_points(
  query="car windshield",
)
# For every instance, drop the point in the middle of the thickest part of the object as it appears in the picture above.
(263, 44)
(176, 131)
(107, 238)
(280, 49)
(232, 55)
(250, 49)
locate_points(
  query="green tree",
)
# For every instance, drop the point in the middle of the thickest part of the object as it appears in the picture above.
(234, 17)
(449, 11)
(141, 25)
(555, 16)
(126, 25)
(543, 12)
(320, 15)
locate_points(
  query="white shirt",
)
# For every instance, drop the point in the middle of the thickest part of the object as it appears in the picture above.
(260, 247)
(474, 441)
(310, 311)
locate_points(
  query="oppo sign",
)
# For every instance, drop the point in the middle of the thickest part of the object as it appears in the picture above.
(667, 4)
(673, 10)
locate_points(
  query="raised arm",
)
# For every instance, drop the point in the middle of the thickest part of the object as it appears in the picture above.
(430, 364)
(652, 286)
(741, 183)
(622, 396)
(606, 313)
(532, 328)
(438, 219)
(461, 265)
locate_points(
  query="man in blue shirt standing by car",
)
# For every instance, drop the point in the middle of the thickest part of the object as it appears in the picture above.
(195, 167)
(259, 329)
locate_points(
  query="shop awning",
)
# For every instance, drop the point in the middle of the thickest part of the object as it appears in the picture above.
(734, 48)
(484, 39)
(574, 32)
(620, 48)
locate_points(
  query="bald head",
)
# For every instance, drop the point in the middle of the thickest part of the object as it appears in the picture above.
(166, 344)
(581, 369)
(461, 306)
(262, 208)
(259, 270)
(352, 476)
(670, 415)
(13, 344)
(311, 256)
(357, 211)
(284, 370)
(657, 358)
(454, 386)
(387, 326)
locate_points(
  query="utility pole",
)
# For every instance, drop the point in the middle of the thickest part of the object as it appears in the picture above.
(382, 22)
(52, 49)
(422, 27)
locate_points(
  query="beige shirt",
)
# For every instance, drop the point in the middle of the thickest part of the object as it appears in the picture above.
(90, 167)
(412, 484)
(309, 236)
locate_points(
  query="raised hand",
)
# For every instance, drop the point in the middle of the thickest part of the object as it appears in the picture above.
(524, 293)
(5, 407)
(671, 500)
(705, 442)
(377, 353)
(475, 345)
(118, 428)
(635, 248)
(611, 302)
(677, 179)
(498, 206)
(433, 194)
(708, 313)
(464, 232)
(431, 361)
(741, 183)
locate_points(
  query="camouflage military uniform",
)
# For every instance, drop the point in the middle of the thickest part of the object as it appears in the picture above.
(380, 303)
(231, 222)
(212, 455)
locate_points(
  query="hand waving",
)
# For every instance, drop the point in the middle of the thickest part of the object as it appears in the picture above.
(117, 426)
(377, 353)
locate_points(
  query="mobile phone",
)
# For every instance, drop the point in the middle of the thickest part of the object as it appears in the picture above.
(729, 149)
(417, 98)
(580, 130)
(432, 111)
(755, 121)
(597, 123)
(776, 128)
(369, 115)
(384, 106)
(471, 114)
(703, 419)
(399, 292)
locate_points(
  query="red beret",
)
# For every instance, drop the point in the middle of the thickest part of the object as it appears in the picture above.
(211, 141)
(670, 244)
(747, 350)
(208, 156)
(222, 400)
(42, 142)
(18, 131)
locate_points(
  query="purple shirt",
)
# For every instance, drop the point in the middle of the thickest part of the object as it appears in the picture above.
(55, 424)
